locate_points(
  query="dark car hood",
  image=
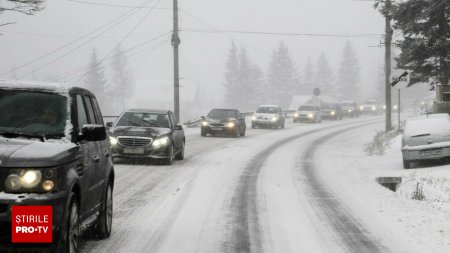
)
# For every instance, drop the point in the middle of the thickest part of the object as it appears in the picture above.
(214, 120)
(33, 153)
(139, 131)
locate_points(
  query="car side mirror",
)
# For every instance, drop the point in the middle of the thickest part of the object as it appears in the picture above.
(203, 117)
(178, 127)
(109, 124)
(93, 133)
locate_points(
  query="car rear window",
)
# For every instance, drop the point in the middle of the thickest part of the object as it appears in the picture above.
(427, 126)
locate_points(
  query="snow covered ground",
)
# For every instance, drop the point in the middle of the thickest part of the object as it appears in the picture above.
(423, 225)
(306, 188)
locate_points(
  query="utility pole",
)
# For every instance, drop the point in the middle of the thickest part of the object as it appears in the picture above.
(176, 69)
(387, 60)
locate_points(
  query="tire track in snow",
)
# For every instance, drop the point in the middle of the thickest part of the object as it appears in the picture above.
(245, 227)
(349, 230)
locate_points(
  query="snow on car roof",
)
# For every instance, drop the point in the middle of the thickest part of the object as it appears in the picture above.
(434, 115)
(268, 106)
(32, 85)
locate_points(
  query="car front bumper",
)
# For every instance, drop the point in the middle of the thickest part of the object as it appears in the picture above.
(57, 200)
(218, 130)
(301, 118)
(119, 151)
(264, 123)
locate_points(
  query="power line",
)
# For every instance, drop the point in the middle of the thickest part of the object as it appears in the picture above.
(374, 35)
(115, 5)
(83, 44)
(146, 2)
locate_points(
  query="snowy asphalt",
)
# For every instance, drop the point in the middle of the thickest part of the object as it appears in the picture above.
(253, 194)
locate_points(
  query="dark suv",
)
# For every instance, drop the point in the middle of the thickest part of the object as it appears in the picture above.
(53, 152)
(143, 133)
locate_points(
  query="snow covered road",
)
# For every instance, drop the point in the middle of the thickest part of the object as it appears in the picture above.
(254, 194)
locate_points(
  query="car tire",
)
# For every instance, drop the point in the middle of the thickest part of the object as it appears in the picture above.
(282, 125)
(243, 133)
(253, 126)
(103, 227)
(169, 160)
(406, 164)
(237, 133)
(70, 242)
(180, 155)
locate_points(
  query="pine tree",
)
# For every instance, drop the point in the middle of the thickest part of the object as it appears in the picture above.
(425, 25)
(28, 7)
(309, 79)
(231, 75)
(122, 85)
(283, 75)
(324, 76)
(95, 79)
(349, 74)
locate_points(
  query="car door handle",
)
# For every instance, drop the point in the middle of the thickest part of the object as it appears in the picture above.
(96, 159)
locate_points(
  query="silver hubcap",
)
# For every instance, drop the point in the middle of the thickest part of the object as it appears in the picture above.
(109, 209)
(74, 230)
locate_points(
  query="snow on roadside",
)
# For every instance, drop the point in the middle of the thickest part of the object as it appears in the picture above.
(423, 225)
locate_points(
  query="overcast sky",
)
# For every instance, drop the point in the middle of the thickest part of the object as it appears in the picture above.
(202, 55)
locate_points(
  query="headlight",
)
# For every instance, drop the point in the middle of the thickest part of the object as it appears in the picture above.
(161, 142)
(204, 123)
(361, 108)
(253, 117)
(333, 113)
(231, 124)
(395, 107)
(374, 108)
(30, 180)
(350, 110)
(113, 141)
(384, 107)
(274, 119)
(422, 103)
(310, 115)
(296, 115)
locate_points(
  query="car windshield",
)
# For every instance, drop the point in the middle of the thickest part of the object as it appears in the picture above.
(370, 102)
(222, 114)
(427, 126)
(32, 113)
(144, 119)
(306, 108)
(271, 110)
(347, 104)
(328, 106)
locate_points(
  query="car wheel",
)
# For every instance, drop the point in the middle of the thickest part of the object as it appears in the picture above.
(180, 156)
(253, 126)
(243, 133)
(406, 164)
(282, 125)
(104, 221)
(237, 133)
(73, 226)
(203, 133)
(169, 160)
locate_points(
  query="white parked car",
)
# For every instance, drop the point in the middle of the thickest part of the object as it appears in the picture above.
(426, 138)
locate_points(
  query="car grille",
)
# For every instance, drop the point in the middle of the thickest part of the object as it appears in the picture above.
(217, 125)
(135, 141)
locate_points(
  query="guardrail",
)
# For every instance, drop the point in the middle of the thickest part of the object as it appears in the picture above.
(197, 121)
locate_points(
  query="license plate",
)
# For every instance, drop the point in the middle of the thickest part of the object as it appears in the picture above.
(431, 152)
(135, 151)
(216, 128)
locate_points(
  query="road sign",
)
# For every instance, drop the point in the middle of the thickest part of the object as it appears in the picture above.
(316, 91)
(400, 79)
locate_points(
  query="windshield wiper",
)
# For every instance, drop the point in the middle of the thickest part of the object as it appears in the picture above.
(420, 135)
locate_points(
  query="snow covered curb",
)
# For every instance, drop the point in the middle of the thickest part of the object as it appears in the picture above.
(423, 225)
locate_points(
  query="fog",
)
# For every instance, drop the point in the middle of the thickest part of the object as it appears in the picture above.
(203, 55)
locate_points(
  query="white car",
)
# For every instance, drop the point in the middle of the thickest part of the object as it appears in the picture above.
(268, 116)
(308, 113)
(426, 138)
